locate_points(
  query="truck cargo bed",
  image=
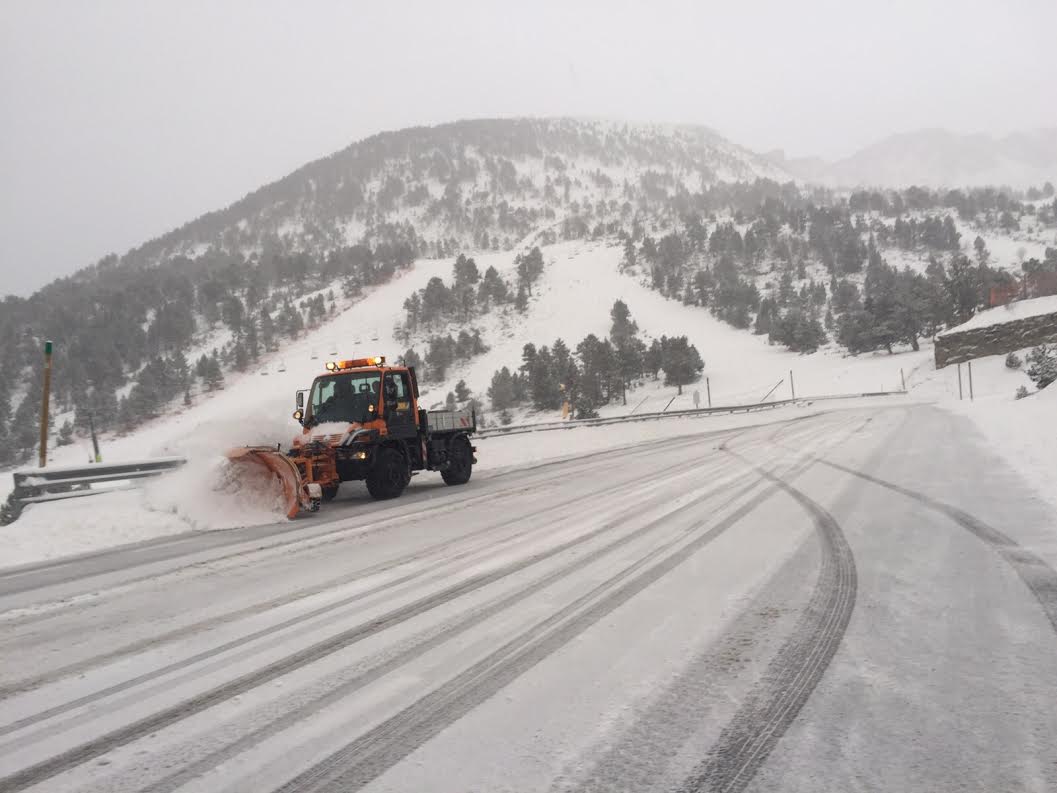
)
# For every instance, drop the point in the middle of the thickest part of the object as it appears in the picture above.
(451, 420)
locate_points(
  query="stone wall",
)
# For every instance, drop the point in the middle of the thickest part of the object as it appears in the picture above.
(995, 339)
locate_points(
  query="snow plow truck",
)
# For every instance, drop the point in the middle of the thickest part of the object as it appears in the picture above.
(361, 421)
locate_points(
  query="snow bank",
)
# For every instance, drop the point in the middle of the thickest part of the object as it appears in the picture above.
(1020, 309)
(80, 525)
(1022, 431)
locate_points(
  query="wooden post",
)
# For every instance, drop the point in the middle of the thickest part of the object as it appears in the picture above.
(44, 405)
(792, 386)
(708, 390)
(959, 382)
(970, 381)
(902, 379)
(773, 388)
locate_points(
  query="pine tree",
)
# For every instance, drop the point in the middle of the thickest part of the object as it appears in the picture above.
(983, 256)
(242, 358)
(630, 258)
(462, 393)
(654, 358)
(413, 311)
(492, 289)
(623, 327)
(267, 330)
(501, 390)
(65, 434)
(763, 317)
(630, 362)
(439, 356)
(449, 401)
(179, 371)
(521, 302)
(214, 377)
(253, 346)
(1042, 369)
(529, 269)
(412, 359)
(681, 362)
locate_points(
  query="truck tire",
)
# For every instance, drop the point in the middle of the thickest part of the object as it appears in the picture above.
(389, 475)
(460, 462)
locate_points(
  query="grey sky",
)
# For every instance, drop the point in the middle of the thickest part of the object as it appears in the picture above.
(122, 120)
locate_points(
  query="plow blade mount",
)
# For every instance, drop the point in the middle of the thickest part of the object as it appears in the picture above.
(254, 461)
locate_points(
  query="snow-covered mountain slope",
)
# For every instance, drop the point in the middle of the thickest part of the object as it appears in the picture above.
(938, 158)
(573, 298)
(458, 181)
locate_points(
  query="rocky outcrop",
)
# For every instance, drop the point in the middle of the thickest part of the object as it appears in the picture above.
(960, 346)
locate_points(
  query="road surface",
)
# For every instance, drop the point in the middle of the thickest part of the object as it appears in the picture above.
(854, 600)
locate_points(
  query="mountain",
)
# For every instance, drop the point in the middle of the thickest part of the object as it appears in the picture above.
(457, 225)
(456, 182)
(938, 158)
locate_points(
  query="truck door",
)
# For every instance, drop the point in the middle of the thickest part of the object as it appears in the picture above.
(399, 417)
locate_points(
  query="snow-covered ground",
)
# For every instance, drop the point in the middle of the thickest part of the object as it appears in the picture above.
(573, 298)
(1018, 309)
(1022, 431)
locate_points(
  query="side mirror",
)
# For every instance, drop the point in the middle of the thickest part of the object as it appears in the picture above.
(299, 415)
(300, 399)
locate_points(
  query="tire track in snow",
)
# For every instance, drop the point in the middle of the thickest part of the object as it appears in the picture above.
(377, 750)
(29, 578)
(747, 740)
(152, 642)
(436, 637)
(1039, 577)
(46, 573)
(94, 748)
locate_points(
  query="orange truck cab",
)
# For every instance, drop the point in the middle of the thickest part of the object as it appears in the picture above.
(361, 420)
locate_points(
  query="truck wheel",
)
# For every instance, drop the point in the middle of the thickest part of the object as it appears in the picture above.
(330, 492)
(388, 476)
(460, 463)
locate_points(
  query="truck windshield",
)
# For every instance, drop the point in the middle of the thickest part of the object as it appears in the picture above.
(345, 397)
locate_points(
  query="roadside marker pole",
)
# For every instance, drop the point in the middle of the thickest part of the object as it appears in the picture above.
(708, 390)
(792, 386)
(902, 379)
(970, 381)
(959, 382)
(44, 405)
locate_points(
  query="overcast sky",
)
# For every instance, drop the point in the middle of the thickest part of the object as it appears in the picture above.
(121, 120)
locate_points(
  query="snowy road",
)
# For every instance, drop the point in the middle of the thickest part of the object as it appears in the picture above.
(856, 600)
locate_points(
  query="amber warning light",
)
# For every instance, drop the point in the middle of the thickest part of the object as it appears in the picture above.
(376, 360)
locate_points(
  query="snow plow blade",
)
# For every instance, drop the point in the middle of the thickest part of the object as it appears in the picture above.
(296, 494)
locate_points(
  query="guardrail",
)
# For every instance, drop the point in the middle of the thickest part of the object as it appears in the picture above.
(36, 485)
(518, 429)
